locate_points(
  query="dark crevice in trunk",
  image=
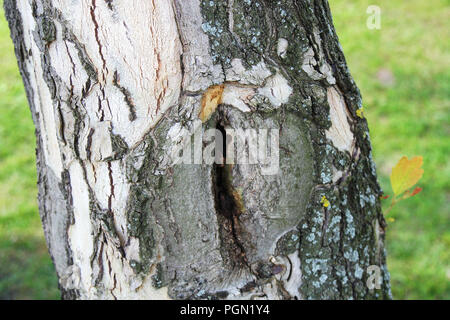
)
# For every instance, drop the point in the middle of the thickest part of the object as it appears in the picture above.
(227, 206)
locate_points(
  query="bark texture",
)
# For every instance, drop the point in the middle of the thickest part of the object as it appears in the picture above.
(112, 84)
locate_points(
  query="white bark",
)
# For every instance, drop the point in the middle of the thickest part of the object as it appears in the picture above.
(147, 64)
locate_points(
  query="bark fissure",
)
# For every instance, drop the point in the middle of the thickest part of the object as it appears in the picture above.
(96, 30)
(227, 205)
(126, 96)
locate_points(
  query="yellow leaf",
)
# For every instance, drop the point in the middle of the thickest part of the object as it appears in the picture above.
(406, 174)
(390, 219)
(324, 201)
(210, 100)
(360, 112)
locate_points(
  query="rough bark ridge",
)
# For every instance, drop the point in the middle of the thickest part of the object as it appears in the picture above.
(113, 85)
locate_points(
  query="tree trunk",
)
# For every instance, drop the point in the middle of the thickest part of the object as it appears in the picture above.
(114, 86)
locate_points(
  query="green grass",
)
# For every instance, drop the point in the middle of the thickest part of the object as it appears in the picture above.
(411, 117)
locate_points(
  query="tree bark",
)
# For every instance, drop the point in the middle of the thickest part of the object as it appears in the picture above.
(112, 85)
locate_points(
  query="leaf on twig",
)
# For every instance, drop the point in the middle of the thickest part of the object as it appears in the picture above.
(406, 174)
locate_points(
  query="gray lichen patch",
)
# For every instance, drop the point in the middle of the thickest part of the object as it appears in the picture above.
(158, 277)
(338, 241)
(288, 243)
(237, 29)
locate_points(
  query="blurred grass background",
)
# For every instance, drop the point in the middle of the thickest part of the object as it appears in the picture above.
(403, 72)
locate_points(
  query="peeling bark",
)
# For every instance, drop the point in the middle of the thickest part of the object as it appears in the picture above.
(113, 85)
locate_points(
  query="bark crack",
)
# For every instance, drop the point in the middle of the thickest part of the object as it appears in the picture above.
(111, 181)
(228, 208)
(96, 27)
(126, 97)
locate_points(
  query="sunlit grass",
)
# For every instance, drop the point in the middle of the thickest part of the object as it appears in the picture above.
(411, 117)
